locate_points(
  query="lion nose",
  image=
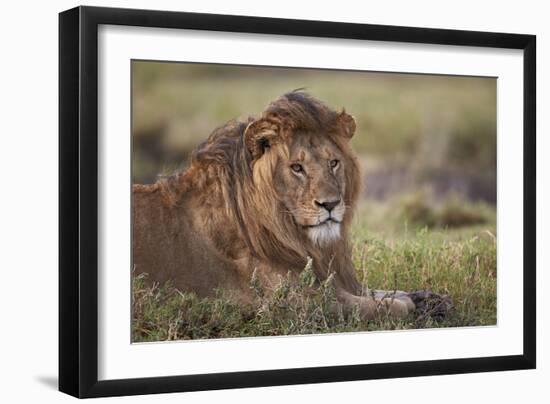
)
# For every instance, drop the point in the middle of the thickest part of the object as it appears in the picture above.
(329, 205)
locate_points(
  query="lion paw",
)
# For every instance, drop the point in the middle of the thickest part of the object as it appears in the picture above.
(402, 301)
(383, 303)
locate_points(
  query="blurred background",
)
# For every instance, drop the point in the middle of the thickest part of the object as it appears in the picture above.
(426, 143)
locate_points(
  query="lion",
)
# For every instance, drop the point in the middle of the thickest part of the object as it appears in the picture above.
(259, 198)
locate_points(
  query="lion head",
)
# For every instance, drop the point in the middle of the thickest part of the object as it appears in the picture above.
(288, 180)
(300, 148)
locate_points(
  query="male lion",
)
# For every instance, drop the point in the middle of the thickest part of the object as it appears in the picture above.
(260, 196)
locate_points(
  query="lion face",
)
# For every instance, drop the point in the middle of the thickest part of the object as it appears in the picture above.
(310, 183)
(305, 176)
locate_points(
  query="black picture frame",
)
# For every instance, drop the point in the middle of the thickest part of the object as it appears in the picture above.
(78, 200)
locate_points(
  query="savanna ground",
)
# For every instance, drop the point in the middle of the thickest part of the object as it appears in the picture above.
(427, 219)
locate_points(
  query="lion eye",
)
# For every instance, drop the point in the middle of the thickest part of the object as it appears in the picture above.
(334, 163)
(297, 168)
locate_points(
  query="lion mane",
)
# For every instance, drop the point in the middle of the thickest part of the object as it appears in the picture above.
(217, 222)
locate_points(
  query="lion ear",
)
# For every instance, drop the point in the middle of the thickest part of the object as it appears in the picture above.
(259, 136)
(346, 124)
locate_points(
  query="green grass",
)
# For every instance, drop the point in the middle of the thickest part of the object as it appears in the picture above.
(459, 262)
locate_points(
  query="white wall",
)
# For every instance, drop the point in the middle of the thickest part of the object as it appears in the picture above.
(28, 197)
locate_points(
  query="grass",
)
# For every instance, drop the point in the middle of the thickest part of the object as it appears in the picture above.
(459, 262)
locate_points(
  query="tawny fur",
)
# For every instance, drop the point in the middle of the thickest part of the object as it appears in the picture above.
(238, 208)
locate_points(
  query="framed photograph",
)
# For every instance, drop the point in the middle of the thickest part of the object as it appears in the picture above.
(251, 201)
